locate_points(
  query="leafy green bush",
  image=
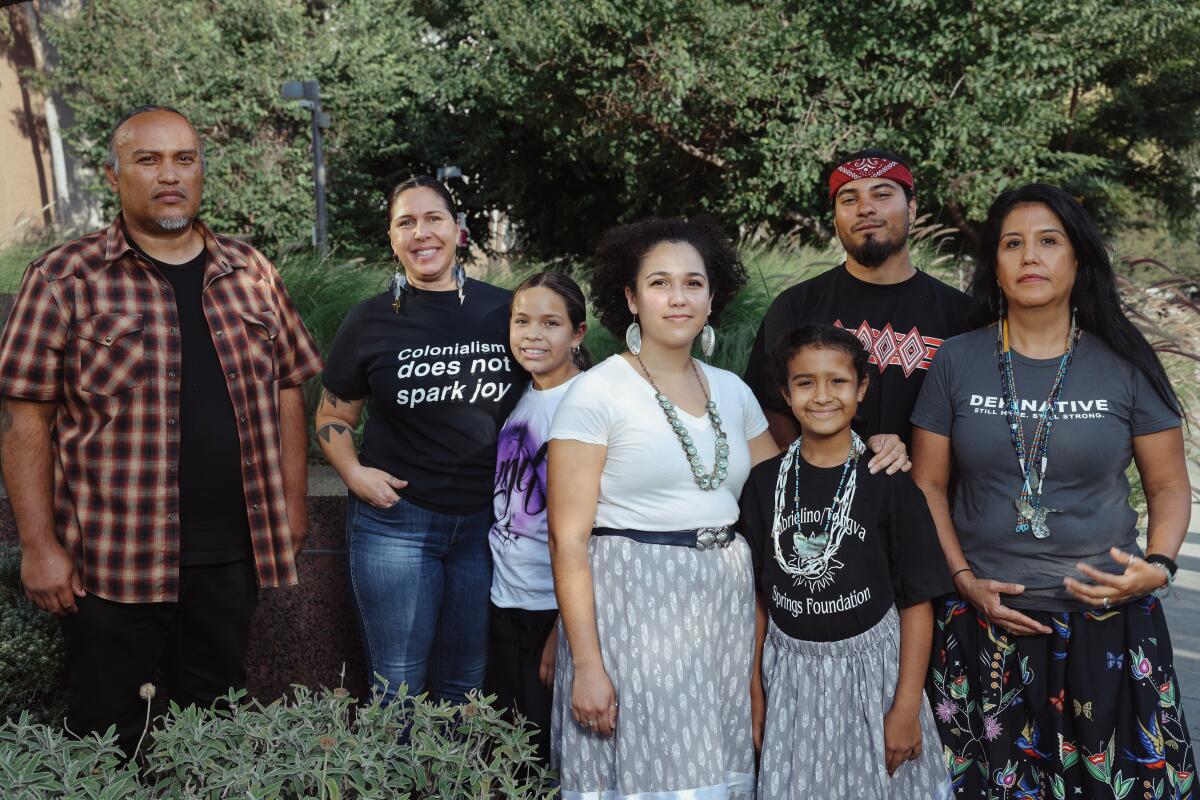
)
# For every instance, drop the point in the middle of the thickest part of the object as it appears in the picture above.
(316, 745)
(30, 650)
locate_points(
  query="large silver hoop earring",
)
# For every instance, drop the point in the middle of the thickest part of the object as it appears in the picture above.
(708, 341)
(633, 337)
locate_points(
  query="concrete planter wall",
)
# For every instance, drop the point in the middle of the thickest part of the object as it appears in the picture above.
(304, 634)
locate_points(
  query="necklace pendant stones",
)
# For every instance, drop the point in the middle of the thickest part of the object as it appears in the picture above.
(1024, 509)
(808, 547)
(1040, 529)
(705, 483)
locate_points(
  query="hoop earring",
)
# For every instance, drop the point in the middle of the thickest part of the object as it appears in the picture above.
(633, 337)
(708, 341)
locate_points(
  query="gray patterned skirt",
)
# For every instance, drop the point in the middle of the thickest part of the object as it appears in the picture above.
(676, 630)
(824, 733)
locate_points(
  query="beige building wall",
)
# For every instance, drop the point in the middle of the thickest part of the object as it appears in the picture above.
(26, 183)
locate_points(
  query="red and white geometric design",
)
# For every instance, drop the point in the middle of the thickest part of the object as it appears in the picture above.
(910, 351)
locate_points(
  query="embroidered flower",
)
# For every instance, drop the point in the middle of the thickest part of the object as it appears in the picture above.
(991, 728)
(946, 710)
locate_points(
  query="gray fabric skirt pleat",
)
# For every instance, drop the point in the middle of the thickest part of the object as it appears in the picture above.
(824, 733)
(676, 630)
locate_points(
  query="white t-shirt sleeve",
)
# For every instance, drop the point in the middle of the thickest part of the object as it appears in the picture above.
(585, 414)
(754, 421)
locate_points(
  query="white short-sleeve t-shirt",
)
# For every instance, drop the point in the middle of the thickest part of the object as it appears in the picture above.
(647, 483)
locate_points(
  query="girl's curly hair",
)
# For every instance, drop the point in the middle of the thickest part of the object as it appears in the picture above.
(619, 257)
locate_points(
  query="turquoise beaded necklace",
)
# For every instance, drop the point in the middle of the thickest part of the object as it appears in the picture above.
(707, 480)
(1034, 458)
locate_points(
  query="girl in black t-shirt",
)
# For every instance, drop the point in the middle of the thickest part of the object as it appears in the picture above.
(837, 550)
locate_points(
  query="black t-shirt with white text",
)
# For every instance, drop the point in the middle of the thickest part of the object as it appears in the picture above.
(886, 555)
(439, 382)
(902, 325)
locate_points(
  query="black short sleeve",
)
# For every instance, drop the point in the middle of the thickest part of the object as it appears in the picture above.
(345, 374)
(915, 558)
(754, 523)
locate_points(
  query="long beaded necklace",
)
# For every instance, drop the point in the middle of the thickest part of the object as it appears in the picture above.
(1031, 514)
(707, 480)
(812, 560)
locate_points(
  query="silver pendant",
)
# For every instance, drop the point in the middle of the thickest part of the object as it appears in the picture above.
(809, 546)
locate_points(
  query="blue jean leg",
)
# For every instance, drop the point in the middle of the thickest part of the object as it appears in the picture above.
(460, 648)
(404, 562)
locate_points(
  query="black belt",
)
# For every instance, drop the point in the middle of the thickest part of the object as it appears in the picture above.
(699, 538)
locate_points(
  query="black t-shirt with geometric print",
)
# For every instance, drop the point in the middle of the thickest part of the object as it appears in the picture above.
(902, 325)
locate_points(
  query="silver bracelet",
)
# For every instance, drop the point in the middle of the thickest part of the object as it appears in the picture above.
(1165, 589)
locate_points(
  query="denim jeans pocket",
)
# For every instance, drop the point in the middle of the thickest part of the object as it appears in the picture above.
(402, 520)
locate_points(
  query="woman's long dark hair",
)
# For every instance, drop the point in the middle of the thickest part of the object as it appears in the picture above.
(572, 297)
(1098, 307)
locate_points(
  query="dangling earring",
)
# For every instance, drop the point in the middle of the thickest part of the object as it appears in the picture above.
(399, 287)
(633, 337)
(708, 341)
(460, 279)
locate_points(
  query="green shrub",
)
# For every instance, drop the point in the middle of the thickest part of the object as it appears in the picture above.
(30, 650)
(42, 762)
(315, 745)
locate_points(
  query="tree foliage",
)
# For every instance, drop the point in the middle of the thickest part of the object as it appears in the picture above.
(571, 115)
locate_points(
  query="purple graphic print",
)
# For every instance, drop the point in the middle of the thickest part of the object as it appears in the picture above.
(520, 489)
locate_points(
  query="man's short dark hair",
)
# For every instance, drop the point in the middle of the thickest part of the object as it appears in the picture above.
(870, 152)
(112, 161)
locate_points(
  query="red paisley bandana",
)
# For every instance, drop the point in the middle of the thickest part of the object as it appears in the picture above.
(869, 168)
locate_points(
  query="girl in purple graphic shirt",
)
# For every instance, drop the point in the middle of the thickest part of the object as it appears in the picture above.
(546, 329)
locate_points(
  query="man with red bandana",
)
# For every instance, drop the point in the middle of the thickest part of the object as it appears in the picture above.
(900, 314)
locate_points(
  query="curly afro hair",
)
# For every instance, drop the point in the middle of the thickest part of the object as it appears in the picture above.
(619, 257)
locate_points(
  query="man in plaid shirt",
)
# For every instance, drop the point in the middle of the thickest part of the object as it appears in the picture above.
(152, 437)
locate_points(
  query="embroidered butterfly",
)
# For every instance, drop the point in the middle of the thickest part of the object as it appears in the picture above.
(1083, 709)
(1114, 660)
(1058, 700)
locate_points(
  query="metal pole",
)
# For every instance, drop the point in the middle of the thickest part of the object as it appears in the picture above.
(321, 234)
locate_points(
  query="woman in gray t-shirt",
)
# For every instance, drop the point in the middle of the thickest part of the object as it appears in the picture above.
(1052, 672)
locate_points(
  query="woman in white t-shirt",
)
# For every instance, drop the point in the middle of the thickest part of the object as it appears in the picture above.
(648, 454)
(547, 322)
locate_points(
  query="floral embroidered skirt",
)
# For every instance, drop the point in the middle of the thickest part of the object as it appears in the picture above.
(1090, 711)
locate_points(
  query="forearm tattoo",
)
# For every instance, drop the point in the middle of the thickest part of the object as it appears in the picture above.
(331, 398)
(329, 429)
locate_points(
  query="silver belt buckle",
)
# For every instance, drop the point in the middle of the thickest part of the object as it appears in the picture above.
(710, 538)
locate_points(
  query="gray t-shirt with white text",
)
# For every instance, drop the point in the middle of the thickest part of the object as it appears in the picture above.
(1105, 401)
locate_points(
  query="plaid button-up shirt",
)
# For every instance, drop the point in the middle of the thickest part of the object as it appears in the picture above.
(95, 330)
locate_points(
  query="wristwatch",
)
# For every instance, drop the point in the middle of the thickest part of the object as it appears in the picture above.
(1168, 567)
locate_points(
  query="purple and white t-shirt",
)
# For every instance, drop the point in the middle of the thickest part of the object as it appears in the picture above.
(521, 576)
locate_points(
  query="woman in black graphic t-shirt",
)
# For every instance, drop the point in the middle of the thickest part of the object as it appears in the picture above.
(430, 362)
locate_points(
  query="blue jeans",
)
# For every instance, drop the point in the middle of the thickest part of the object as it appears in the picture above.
(421, 583)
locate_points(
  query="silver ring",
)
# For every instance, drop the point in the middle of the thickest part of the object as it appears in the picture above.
(614, 705)
(591, 723)
(1132, 558)
(1106, 603)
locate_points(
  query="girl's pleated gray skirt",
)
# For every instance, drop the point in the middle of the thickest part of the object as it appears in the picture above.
(824, 733)
(676, 630)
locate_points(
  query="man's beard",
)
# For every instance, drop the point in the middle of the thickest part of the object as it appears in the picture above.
(172, 224)
(876, 249)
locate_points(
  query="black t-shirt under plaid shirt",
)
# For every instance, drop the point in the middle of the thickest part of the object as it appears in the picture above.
(95, 331)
